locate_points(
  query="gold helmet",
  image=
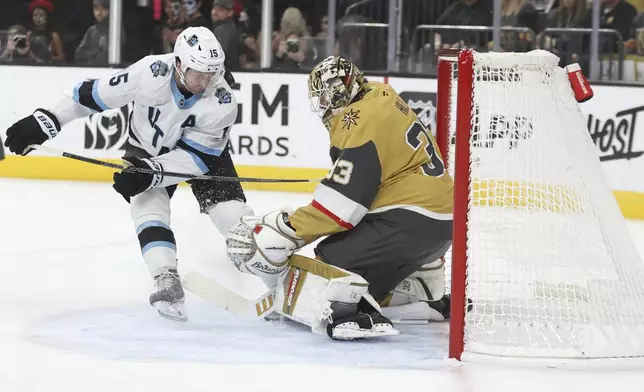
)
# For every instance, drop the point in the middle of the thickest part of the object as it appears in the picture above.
(333, 83)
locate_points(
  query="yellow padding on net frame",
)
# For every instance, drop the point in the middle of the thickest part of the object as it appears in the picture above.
(554, 198)
(525, 195)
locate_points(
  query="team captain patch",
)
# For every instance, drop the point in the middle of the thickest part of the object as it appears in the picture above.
(159, 68)
(223, 95)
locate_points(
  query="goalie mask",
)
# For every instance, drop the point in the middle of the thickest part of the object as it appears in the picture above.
(333, 84)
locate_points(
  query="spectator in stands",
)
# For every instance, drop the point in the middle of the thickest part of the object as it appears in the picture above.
(637, 43)
(324, 27)
(568, 13)
(170, 30)
(18, 48)
(321, 38)
(94, 47)
(249, 26)
(225, 30)
(364, 47)
(45, 43)
(291, 45)
(617, 15)
(569, 47)
(192, 14)
(466, 13)
(518, 13)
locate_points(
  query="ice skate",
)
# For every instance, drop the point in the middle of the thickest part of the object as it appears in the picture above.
(366, 323)
(169, 297)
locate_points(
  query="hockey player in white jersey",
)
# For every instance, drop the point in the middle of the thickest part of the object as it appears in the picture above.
(183, 112)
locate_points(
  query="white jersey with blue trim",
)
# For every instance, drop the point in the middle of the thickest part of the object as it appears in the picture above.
(185, 134)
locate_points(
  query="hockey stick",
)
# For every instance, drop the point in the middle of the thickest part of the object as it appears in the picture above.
(134, 169)
(211, 291)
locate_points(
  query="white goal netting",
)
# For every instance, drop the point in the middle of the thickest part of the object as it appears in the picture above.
(551, 269)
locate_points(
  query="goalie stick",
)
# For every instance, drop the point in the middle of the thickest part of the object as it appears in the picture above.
(134, 169)
(211, 291)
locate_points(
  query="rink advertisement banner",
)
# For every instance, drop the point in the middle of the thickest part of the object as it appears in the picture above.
(276, 134)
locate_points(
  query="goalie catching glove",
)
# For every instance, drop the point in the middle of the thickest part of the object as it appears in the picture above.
(261, 246)
(42, 125)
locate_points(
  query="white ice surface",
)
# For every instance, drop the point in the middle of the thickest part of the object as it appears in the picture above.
(74, 314)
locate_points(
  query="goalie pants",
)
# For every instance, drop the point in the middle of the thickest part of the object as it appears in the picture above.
(382, 252)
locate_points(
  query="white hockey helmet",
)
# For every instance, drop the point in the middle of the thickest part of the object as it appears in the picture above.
(202, 58)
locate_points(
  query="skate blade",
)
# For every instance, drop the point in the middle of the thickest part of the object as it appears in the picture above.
(358, 334)
(171, 311)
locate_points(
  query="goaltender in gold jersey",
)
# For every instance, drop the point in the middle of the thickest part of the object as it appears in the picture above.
(385, 208)
(384, 159)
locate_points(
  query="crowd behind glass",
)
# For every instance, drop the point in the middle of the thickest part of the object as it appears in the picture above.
(77, 31)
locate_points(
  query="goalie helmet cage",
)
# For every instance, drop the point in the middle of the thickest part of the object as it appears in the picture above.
(541, 253)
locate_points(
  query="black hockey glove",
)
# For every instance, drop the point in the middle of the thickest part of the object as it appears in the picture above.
(33, 129)
(130, 184)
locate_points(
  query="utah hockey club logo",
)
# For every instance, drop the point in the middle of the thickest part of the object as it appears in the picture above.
(350, 118)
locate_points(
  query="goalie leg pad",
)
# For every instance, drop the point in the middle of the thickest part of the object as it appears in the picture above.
(433, 276)
(420, 312)
(426, 284)
(330, 300)
(305, 293)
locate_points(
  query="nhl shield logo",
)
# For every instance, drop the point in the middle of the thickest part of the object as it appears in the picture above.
(424, 105)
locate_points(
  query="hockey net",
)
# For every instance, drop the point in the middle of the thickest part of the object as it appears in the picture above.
(541, 252)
